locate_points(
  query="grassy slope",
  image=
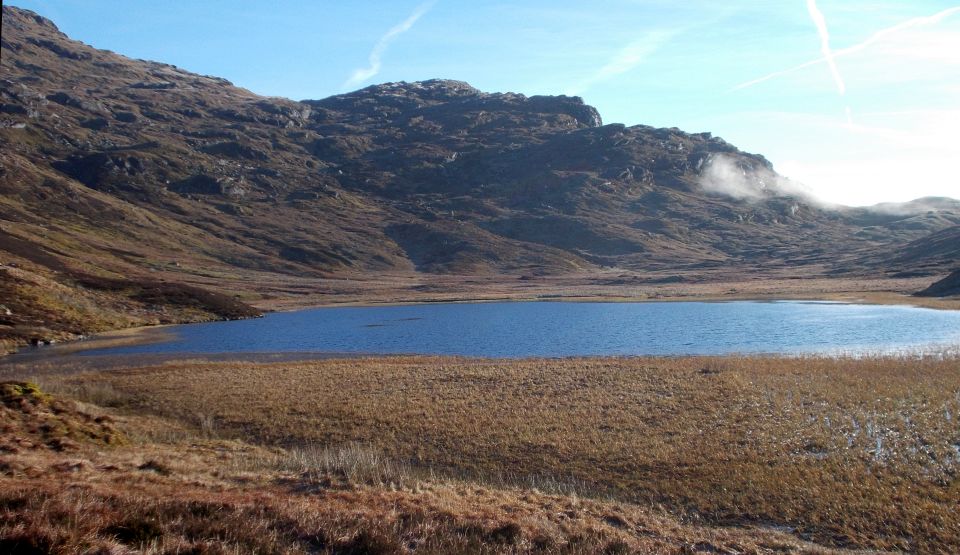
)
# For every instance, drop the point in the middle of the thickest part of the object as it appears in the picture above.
(64, 273)
(847, 453)
(40, 306)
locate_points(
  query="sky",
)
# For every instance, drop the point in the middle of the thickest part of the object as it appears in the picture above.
(858, 100)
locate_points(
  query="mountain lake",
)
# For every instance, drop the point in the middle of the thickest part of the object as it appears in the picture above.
(558, 329)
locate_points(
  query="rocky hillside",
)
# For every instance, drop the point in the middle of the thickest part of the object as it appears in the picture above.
(136, 170)
(938, 250)
(946, 287)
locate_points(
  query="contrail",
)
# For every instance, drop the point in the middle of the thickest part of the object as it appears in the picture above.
(821, 23)
(362, 74)
(629, 57)
(879, 35)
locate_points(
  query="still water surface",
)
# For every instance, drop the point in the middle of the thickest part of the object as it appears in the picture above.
(551, 329)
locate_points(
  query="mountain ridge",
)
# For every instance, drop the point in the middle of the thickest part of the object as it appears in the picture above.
(136, 170)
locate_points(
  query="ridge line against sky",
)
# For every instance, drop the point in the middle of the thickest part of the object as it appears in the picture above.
(693, 65)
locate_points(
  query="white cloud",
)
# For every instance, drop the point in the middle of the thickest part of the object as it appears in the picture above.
(722, 175)
(362, 74)
(727, 176)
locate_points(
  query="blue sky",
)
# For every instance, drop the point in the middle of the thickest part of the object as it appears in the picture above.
(879, 123)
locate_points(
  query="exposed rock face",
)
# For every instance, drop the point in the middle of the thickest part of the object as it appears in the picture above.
(134, 157)
(946, 287)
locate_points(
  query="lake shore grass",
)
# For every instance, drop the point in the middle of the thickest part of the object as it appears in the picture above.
(609, 287)
(846, 453)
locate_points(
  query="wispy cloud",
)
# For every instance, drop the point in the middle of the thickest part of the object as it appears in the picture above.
(364, 73)
(629, 57)
(876, 37)
(821, 23)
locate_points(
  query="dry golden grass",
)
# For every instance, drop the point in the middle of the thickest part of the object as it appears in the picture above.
(848, 453)
(609, 285)
(167, 489)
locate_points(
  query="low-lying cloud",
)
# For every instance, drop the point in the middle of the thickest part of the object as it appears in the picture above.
(728, 176)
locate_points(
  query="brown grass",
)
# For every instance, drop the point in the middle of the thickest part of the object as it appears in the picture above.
(607, 285)
(181, 493)
(849, 453)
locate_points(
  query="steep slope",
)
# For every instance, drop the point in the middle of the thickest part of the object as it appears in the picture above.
(946, 287)
(135, 170)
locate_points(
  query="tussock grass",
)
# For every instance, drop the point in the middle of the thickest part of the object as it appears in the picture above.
(161, 519)
(851, 453)
(354, 462)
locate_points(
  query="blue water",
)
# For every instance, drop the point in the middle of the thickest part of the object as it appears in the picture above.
(551, 329)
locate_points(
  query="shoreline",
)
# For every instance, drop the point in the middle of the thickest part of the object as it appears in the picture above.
(723, 291)
(410, 290)
(867, 298)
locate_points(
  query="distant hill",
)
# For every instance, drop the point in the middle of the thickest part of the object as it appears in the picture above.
(136, 170)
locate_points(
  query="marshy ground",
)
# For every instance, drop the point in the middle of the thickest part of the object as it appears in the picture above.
(840, 453)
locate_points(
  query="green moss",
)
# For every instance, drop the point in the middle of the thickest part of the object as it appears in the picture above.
(13, 392)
